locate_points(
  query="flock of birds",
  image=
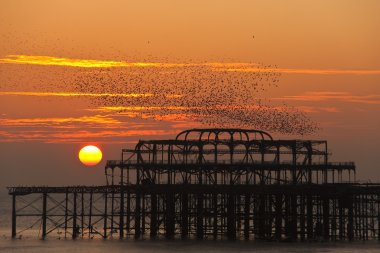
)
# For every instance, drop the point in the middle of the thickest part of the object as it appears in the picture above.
(220, 94)
(216, 96)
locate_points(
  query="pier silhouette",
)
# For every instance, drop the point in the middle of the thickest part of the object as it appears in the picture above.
(214, 183)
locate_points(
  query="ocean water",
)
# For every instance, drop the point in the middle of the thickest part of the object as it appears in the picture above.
(5, 214)
(33, 244)
(114, 246)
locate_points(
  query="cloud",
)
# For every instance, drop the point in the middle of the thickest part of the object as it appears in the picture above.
(136, 108)
(72, 94)
(56, 61)
(113, 127)
(246, 67)
(307, 71)
(315, 109)
(109, 136)
(88, 63)
(96, 119)
(373, 99)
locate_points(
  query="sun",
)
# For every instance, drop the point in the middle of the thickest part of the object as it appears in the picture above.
(90, 155)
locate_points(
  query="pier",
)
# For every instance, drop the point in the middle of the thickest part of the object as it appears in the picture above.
(220, 184)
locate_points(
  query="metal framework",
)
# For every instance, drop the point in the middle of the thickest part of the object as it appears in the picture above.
(211, 183)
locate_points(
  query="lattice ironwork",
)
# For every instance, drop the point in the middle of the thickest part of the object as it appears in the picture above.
(212, 183)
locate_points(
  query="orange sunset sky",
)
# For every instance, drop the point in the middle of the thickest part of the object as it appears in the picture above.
(110, 73)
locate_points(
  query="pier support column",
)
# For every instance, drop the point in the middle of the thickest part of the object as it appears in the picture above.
(231, 217)
(309, 218)
(294, 221)
(255, 216)
(185, 217)
(200, 216)
(247, 205)
(128, 225)
(143, 214)
(66, 211)
(278, 221)
(137, 217)
(90, 228)
(153, 216)
(105, 216)
(302, 217)
(215, 215)
(14, 216)
(75, 227)
(82, 215)
(262, 216)
(170, 215)
(326, 222)
(44, 215)
(341, 227)
(112, 211)
(121, 218)
(350, 225)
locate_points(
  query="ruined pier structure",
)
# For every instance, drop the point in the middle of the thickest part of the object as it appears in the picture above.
(210, 184)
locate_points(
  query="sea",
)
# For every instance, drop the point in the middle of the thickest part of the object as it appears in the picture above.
(53, 245)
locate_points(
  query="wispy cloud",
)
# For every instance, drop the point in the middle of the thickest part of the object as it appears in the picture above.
(72, 94)
(214, 66)
(136, 108)
(114, 133)
(315, 109)
(373, 99)
(96, 119)
(84, 63)
(116, 124)
(109, 136)
(89, 63)
(180, 108)
(307, 71)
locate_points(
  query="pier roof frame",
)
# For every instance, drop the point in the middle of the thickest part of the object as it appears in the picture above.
(247, 133)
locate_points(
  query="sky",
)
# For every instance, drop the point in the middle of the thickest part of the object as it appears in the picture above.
(111, 73)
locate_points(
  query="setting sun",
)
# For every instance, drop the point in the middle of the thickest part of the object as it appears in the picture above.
(90, 155)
